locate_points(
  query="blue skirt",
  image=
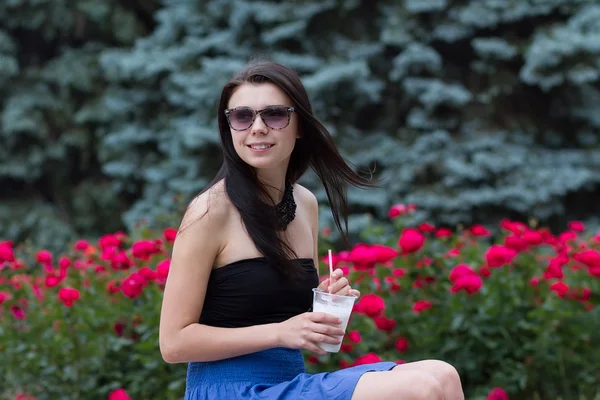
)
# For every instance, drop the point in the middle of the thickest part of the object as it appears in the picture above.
(271, 374)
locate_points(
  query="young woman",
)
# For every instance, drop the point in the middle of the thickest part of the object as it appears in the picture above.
(237, 299)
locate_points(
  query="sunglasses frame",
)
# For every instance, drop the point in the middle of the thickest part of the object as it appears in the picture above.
(289, 110)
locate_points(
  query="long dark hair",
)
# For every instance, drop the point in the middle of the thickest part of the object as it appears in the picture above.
(315, 149)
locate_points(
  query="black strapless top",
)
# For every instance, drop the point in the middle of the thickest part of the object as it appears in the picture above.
(251, 292)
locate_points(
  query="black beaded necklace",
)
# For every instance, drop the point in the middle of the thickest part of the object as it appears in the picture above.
(285, 211)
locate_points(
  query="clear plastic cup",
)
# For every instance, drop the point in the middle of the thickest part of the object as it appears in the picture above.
(340, 306)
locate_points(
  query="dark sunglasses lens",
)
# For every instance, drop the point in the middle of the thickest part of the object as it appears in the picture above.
(276, 117)
(241, 119)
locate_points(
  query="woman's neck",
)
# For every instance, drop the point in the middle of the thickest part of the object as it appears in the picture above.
(274, 184)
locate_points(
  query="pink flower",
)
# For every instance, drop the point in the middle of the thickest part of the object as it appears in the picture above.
(411, 240)
(370, 304)
(479, 230)
(459, 271)
(162, 270)
(397, 210)
(402, 344)
(68, 295)
(591, 258)
(443, 232)
(366, 256)
(576, 226)
(497, 256)
(354, 336)
(133, 285)
(422, 305)
(497, 394)
(533, 238)
(468, 283)
(43, 257)
(119, 394)
(169, 234)
(560, 288)
(384, 324)
(368, 358)
(81, 245)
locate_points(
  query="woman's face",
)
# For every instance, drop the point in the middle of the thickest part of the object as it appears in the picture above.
(263, 145)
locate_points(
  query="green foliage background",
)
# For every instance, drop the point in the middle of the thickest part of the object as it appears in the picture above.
(475, 110)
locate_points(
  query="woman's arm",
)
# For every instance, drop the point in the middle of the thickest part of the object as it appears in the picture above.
(181, 337)
(341, 284)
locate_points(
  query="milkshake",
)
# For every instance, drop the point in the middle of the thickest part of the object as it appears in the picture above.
(340, 306)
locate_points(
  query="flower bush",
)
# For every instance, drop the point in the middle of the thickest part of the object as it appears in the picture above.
(515, 313)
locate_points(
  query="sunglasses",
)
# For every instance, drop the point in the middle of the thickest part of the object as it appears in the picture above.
(275, 117)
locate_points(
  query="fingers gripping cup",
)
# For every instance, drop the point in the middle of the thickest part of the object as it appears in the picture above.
(340, 306)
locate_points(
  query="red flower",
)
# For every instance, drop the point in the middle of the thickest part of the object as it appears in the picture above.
(402, 344)
(366, 256)
(43, 257)
(81, 245)
(6, 252)
(533, 238)
(133, 285)
(371, 305)
(576, 226)
(459, 271)
(479, 230)
(515, 227)
(422, 305)
(148, 274)
(497, 394)
(591, 258)
(368, 358)
(384, 324)
(554, 269)
(468, 283)
(426, 227)
(516, 243)
(162, 270)
(560, 288)
(397, 210)
(394, 285)
(109, 241)
(119, 394)
(354, 336)
(53, 279)
(64, 262)
(443, 232)
(411, 240)
(17, 312)
(68, 295)
(169, 234)
(497, 256)
(144, 249)
(567, 237)
(121, 261)
(24, 396)
(4, 296)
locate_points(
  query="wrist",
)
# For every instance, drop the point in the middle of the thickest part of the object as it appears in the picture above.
(273, 335)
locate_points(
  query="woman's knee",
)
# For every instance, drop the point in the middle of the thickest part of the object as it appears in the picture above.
(425, 386)
(449, 378)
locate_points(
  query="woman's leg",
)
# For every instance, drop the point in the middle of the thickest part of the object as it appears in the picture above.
(445, 373)
(398, 385)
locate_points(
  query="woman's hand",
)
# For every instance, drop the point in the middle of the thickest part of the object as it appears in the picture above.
(304, 331)
(340, 286)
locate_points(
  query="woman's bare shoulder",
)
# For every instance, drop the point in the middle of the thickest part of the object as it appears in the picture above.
(306, 196)
(213, 204)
